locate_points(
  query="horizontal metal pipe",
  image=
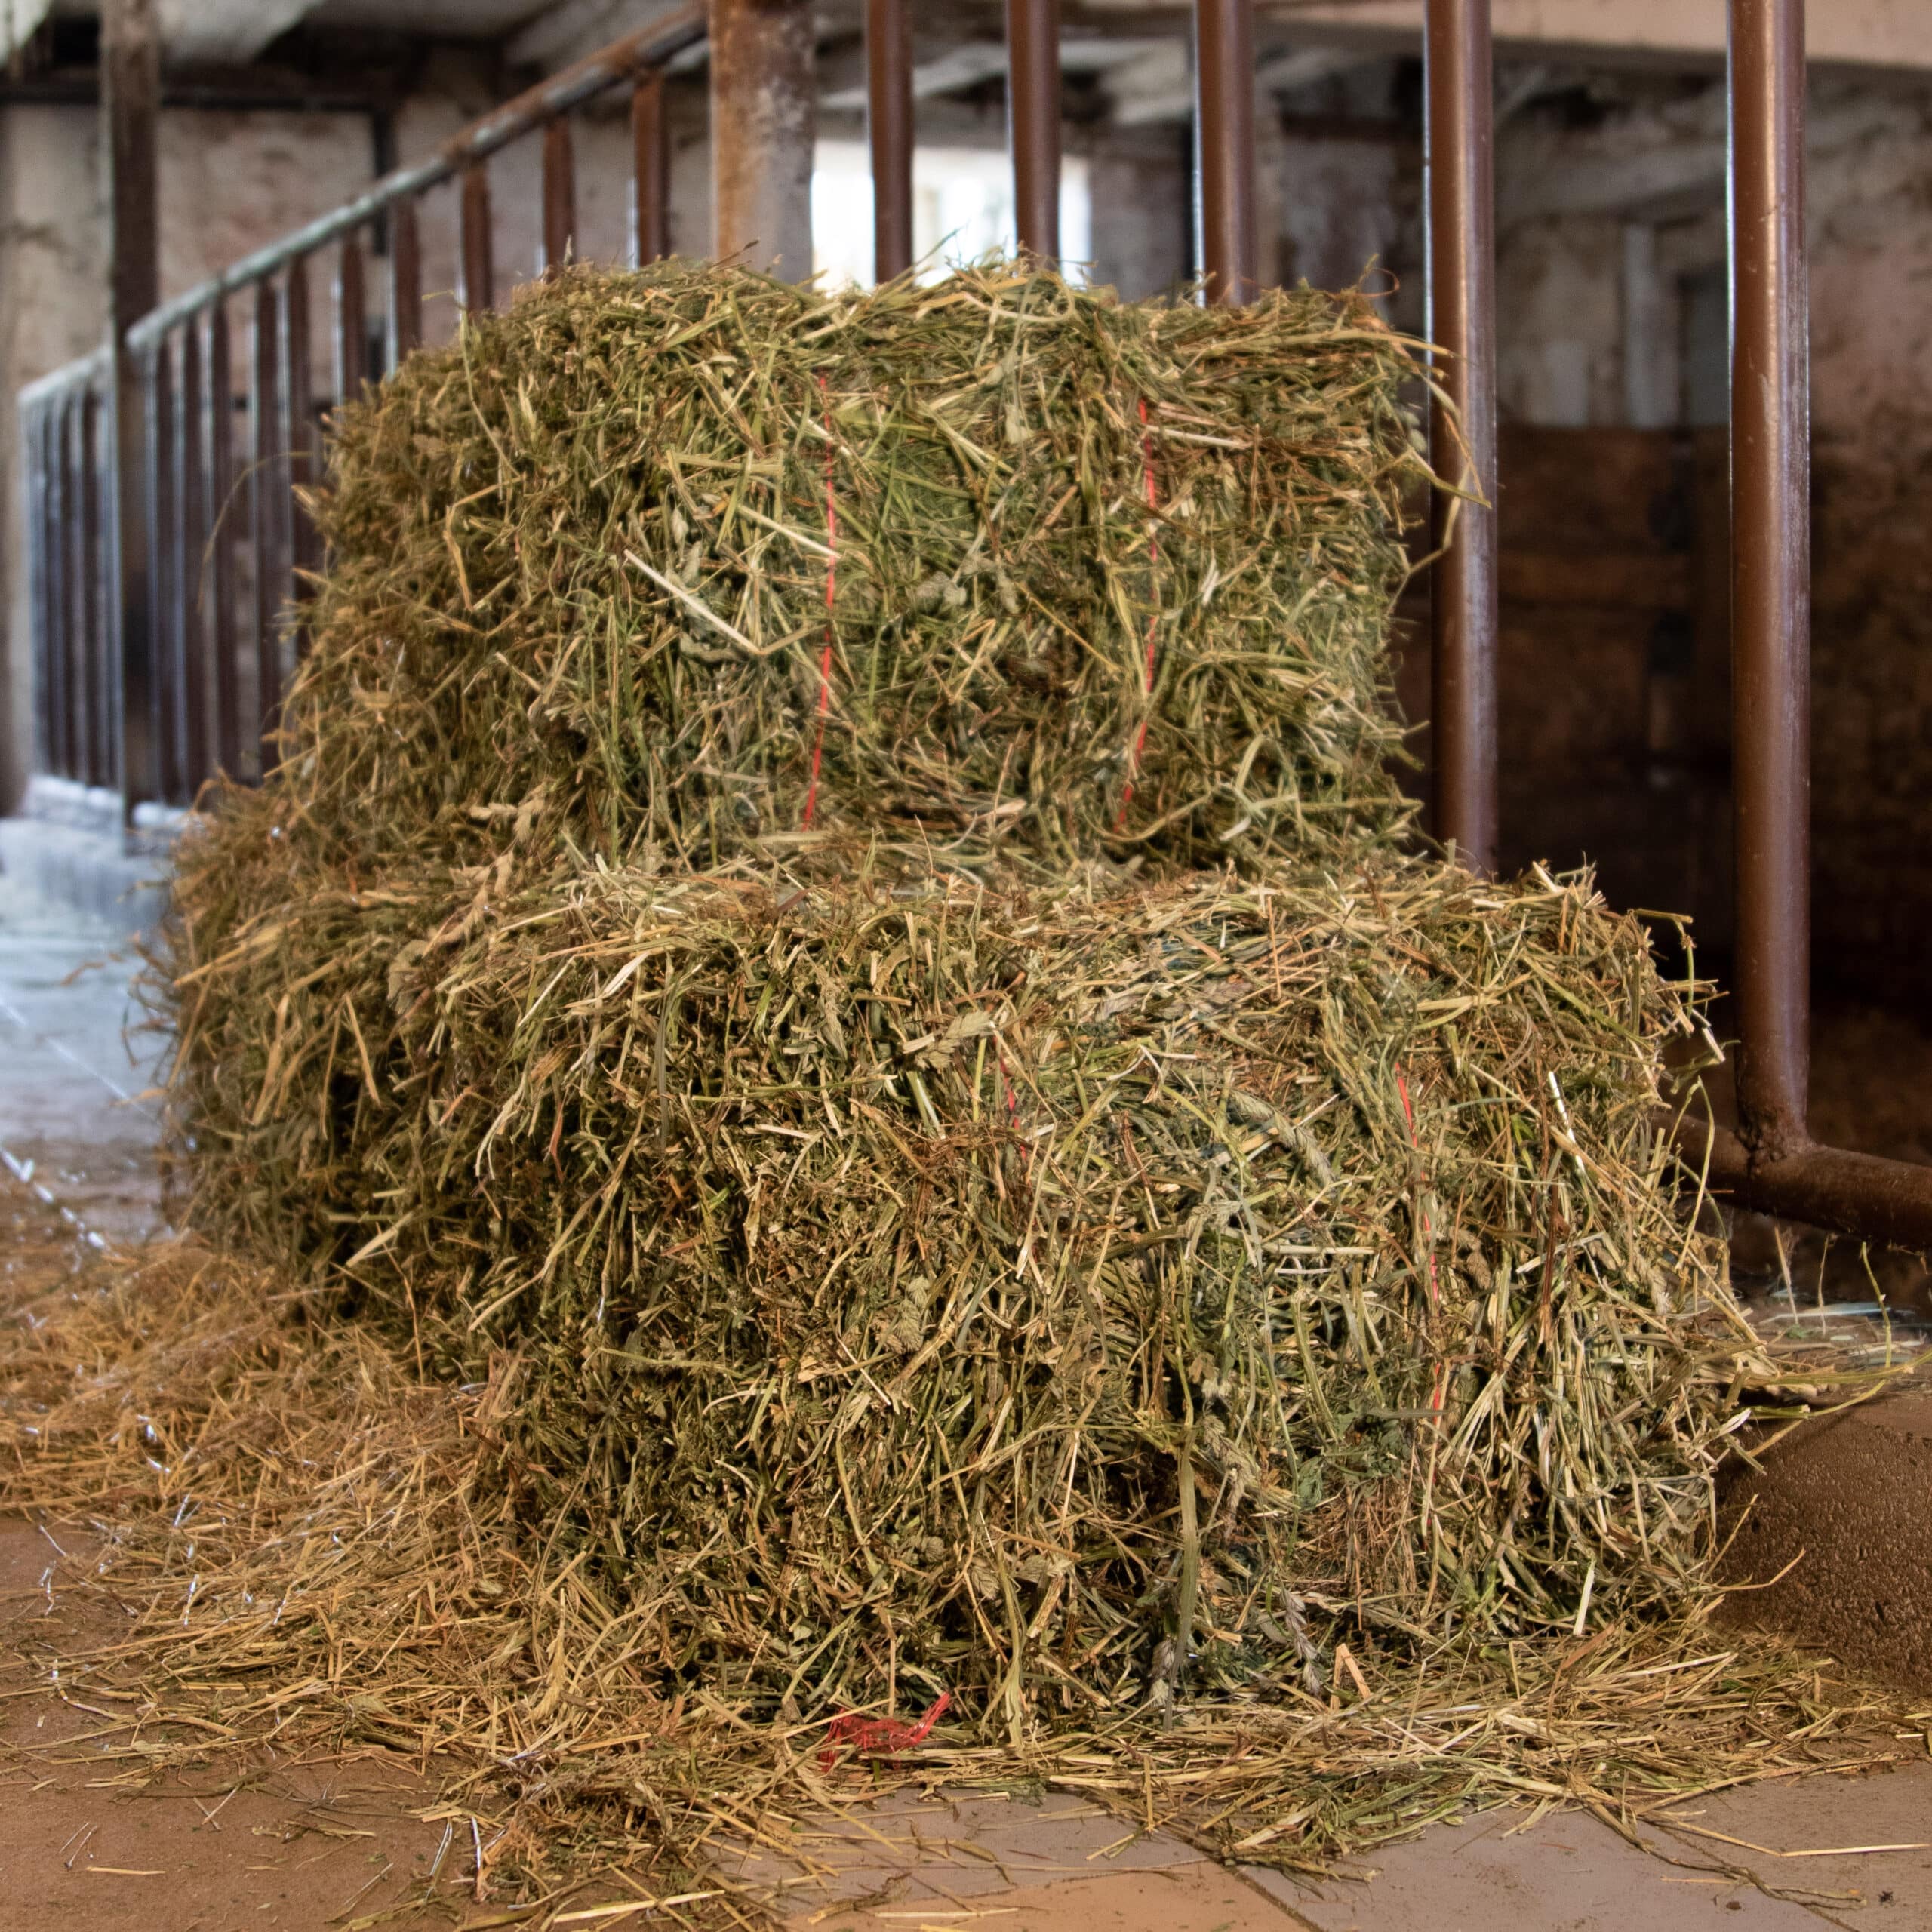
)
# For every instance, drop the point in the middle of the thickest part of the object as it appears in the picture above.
(618, 62)
(1889, 1202)
(92, 369)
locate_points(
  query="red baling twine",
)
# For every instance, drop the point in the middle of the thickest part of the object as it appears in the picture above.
(879, 1737)
(1153, 615)
(1428, 1232)
(831, 593)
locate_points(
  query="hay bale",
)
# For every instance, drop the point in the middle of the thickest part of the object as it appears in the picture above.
(1008, 1293)
(916, 1250)
(681, 559)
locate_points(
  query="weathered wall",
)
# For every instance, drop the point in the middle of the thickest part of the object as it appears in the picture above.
(1573, 342)
(1871, 621)
(53, 300)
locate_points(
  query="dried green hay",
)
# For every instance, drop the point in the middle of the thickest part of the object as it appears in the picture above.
(307, 1545)
(1016, 1294)
(910, 1253)
(643, 553)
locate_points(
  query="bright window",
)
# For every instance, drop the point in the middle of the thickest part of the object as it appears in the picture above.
(962, 208)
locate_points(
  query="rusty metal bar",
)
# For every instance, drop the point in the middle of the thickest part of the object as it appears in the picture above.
(1459, 125)
(479, 271)
(170, 756)
(764, 117)
(1771, 1163)
(267, 494)
(220, 438)
(1887, 1201)
(608, 66)
(352, 321)
(889, 125)
(1770, 573)
(650, 170)
(33, 420)
(1032, 119)
(559, 196)
(131, 112)
(191, 523)
(1224, 148)
(405, 283)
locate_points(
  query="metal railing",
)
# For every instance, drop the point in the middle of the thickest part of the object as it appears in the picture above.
(160, 643)
(179, 661)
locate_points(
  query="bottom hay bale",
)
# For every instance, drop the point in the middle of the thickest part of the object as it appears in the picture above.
(1076, 1306)
(298, 1546)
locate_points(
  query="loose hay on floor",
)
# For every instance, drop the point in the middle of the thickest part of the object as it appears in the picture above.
(308, 1547)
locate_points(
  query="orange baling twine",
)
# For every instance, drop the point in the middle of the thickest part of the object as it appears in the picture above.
(879, 1737)
(1153, 615)
(831, 594)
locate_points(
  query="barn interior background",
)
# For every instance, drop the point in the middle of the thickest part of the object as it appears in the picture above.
(1611, 351)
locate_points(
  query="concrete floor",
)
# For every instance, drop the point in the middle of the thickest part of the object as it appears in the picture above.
(78, 1119)
(306, 1845)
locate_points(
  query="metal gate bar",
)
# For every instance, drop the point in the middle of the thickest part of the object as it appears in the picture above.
(1032, 113)
(1461, 203)
(1772, 1163)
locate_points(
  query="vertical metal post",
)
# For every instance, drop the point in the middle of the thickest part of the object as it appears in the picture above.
(131, 111)
(889, 123)
(192, 527)
(351, 322)
(1770, 477)
(559, 196)
(74, 641)
(650, 170)
(164, 605)
(405, 283)
(268, 492)
(1462, 324)
(57, 661)
(74, 563)
(1032, 120)
(1224, 147)
(478, 265)
(221, 543)
(103, 684)
(304, 435)
(40, 585)
(764, 117)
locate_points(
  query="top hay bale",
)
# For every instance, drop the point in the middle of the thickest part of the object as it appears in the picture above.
(648, 553)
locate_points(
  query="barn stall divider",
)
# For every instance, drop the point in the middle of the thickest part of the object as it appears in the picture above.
(162, 553)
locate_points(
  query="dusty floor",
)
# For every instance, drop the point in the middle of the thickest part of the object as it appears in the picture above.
(341, 1843)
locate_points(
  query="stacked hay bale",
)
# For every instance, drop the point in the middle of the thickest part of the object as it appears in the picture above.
(744, 944)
